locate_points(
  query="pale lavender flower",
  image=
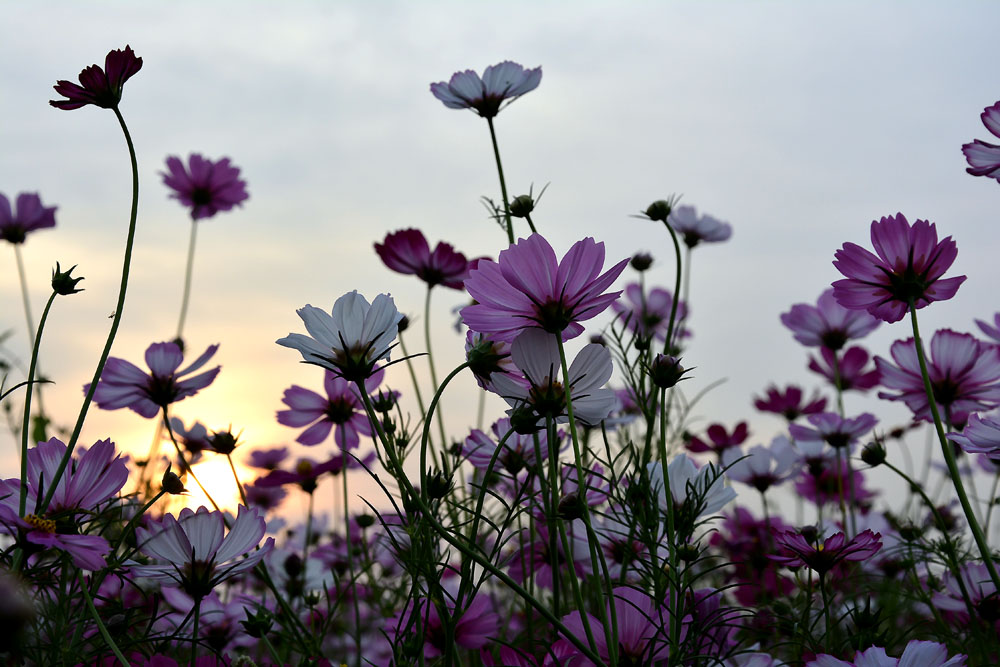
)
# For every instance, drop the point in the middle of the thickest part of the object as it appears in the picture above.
(834, 430)
(695, 229)
(916, 654)
(502, 82)
(983, 157)
(762, 467)
(689, 483)
(992, 332)
(980, 436)
(827, 324)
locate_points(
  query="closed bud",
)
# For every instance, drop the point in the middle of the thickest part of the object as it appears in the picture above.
(571, 506)
(403, 324)
(365, 520)
(223, 442)
(641, 261)
(687, 552)
(522, 206)
(438, 485)
(258, 624)
(659, 210)
(524, 421)
(873, 453)
(171, 483)
(666, 371)
(63, 283)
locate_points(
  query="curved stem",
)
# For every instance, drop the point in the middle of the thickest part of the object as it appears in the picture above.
(434, 382)
(27, 408)
(503, 183)
(100, 624)
(677, 290)
(425, 436)
(239, 485)
(187, 280)
(184, 462)
(115, 322)
(26, 300)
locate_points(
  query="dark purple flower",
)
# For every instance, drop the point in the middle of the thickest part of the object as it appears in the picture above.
(719, 438)
(984, 158)
(980, 436)
(964, 374)
(849, 372)
(824, 483)
(100, 87)
(500, 82)
(529, 289)
(643, 629)
(834, 430)
(827, 324)
(195, 439)
(341, 407)
(125, 385)
(27, 216)
(795, 551)
(992, 332)
(205, 186)
(908, 267)
(307, 472)
(789, 402)
(407, 251)
(268, 459)
(648, 315)
(685, 220)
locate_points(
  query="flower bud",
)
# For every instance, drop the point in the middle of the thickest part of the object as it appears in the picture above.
(873, 453)
(666, 371)
(522, 206)
(365, 520)
(524, 420)
(658, 210)
(223, 442)
(438, 485)
(258, 624)
(641, 261)
(403, 324)
(63, 283)
(171, 483)
(571, 506)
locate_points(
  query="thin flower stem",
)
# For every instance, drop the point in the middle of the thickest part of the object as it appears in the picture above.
(185, 299)
(270, 649)
(425, 436)
(667, 344)
(184, 462)
(531, 225)
(993, 503)
(503, 183)
(100, 624)
(25, 424)
(434, 382)
(115, 322)
(26, 300)
(194, 634)
(949, 455)
(350, 564)
(826, 605)
(239, 485)
(308, 535)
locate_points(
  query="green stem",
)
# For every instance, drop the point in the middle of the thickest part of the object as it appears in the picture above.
(184, 462)
(503, 183)
(26, 300)
(531, 225)
(949, 455)
(100, 624)
(187, 280)
(115, 322)
(27, 408)
(350, 565)
(434, 382)
(239, 485)
(425, 436)
(194, 635)
(677, 289)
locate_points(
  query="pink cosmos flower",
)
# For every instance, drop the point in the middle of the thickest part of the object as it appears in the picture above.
(648, 315)
(827, 324)
(195, 440)
(268, 459)
(762, 467)
(518, 450)
(192, 551)
(980, 436)
(746, 542)
(908, 266)
(834, 430)
(473, 628)
(407, 252)
(528, 288)
(992, 332)
(795, 551)
(504, 81)
(823, 482)
(685, 220)
(964, 374)
(533, 557)
(93, 477)
(27, 216)
(205, 186)
(984, 158)
(789, 402)
(982, 594)
(125, 385)
(307, 473)
(487, 356)
(916, 654)
(100, 87)
(849, 372)
(719, 439)
(643, 629)
(342, 408)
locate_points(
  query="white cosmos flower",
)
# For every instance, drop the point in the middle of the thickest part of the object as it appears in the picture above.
(350, 340)
(706, 483)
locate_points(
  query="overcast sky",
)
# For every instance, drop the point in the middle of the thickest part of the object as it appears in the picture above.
(798, 123)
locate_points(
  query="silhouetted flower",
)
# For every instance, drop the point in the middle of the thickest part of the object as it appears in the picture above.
(206, 187)
(795, 551)
(27, 215)
(500, 82)
(101, 87)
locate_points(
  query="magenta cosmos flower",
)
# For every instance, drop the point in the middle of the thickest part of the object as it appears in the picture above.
(827, 324)
(981, 436)
(408, 252)
(27, 215)
(643, 629)
(100, 87)
(648, 315)
(91, 479)
(695, 229)
(502, 82)
(848, 371)
(206, 187)
(341, 408)
(719, 439)
(475, 626)
(964, 374)
(790, 402)
(795, 551)
(528, 289)
(908, 267)
(125, 385)
(984, 158)
(916, 654)
(192, 552)
(834, 430)
(991, 332)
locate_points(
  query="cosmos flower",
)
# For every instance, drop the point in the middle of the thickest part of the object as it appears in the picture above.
(908, 267)
(474, 626)
(980, 436)
(27, 215)
(206, 187)
(93, 477)
(190, 550)
(307, 473)
(789, 402)
(643, 628)
(984, 158)
(528, 288)
(992, 332)
(125, 385)
(827, 324)
(964, 374)
(351, 339)
(834, 430)
(849, 372)
(504, 81)
(341, 408)
(100, 87)
(703, 490)
(916, 654)
(695, 230)
(761, 467)
(487, 356)
(407, 252)
(518, 450)
(648, 315)
(795, 551)
(718, 439)
(824, 482)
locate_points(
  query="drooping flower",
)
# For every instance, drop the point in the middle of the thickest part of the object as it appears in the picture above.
(342, 408)
(350, 340)
(191, 550)
(100, 87)
(795, 551)
(648, 315)
(789, 402)
(980, 436)
(504, 81)
(964, 374)
(916, 654)
(695, 229)
(827, 324)
(408, 252)
(93, 477)
(528, 288)
(984, 158)
(27, 215)
(848, 372)
(205, 186)
(908, 267)
(125, 385)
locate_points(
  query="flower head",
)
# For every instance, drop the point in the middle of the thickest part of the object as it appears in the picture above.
(100, 87)
(762, 467)
(205, 186)
(964, 374)
(528, 288)
(789, 402)
(341, 408)
(191, 550)
(701, 491)
(27, 215)
(648, 315)
(846, 372)
(916, 654)
(719, 439)
(407, 251)
(827, 324)
(643, 628)
(834, 430)
(907, 268)
(351, 339)
(125, 385)
(694, 229)
(984, 158)
(486, 95)
(795, 551)
(981, 436)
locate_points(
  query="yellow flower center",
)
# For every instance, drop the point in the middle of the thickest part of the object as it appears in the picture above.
(38, 523)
